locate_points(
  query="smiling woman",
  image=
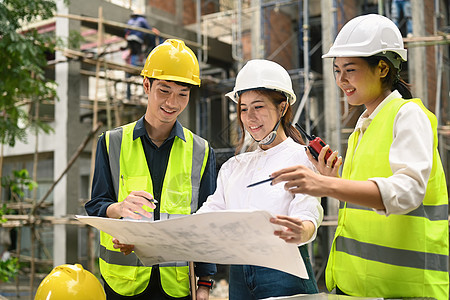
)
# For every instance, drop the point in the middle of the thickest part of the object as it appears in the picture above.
(264, 95)
(393, 190)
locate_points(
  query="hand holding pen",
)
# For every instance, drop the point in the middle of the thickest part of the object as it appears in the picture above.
(132, 206)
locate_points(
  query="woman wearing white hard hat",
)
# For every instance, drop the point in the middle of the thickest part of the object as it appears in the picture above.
(392, 234)
(264, 95)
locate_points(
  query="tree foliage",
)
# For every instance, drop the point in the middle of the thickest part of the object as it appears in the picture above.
(23, 59)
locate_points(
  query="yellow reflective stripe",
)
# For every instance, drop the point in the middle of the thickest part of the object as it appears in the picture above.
(396, 231)
(376, 279)
(393, 256)
(430, 212)
(198, 164)
(113, 145)
(174, 264)
(117, 258)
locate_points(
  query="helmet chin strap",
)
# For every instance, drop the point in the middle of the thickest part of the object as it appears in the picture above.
(268, 139)
(271, 136)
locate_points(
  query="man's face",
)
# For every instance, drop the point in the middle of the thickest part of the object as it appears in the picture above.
(166, 100)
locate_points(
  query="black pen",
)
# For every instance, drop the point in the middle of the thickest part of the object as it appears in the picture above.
(259, 182)
(154, 201)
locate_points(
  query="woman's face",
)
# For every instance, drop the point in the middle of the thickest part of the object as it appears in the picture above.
(259, 115)
(361, 83)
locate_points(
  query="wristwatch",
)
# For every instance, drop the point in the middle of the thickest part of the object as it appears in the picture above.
(207, 283)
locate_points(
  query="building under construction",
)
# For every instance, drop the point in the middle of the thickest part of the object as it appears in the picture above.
(92, 81)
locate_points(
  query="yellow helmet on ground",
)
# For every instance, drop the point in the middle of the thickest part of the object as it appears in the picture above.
(70, 282)
(172, 60)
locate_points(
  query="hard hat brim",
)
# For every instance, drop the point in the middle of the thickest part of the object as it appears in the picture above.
(290, 97)
(334, 53)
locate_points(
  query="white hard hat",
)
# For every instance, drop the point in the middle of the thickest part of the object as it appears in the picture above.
(264, 74)
(366, 36)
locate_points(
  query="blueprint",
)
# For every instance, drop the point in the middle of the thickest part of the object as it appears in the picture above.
(223, 237)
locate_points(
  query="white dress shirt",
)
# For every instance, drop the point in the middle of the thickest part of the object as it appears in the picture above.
(246, 168)
(410, 157)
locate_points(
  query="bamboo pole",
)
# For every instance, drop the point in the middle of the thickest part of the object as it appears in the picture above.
(33, 225)
(125, 26)
(69, 165)
(192, 281)
(97, 79)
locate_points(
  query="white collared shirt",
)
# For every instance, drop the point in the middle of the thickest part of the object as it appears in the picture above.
(410, 157)
(246, 168)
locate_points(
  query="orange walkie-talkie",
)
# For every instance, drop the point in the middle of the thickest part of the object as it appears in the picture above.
(315, 145)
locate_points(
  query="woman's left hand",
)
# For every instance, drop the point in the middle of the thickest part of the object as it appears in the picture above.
(295, 230)
(329, 167)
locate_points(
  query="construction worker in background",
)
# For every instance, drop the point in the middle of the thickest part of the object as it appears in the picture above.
(154, 158)
(136, 40)
(392, 235)
(70, 282)
(399, 9)
(264, 96)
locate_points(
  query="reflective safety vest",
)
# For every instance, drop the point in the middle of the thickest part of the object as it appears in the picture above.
(126, 275)
(397, 256)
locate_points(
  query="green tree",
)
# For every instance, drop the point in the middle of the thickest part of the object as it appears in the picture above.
(16, 184)
(23, 59)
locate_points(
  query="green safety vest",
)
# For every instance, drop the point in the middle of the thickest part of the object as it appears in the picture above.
(399, 255)
(126, 275)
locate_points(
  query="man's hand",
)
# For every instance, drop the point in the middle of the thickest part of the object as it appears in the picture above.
(124, 248)
(156, 31)
(132, 206)
(203, 293)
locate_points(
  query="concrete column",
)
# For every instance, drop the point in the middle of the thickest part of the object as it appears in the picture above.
(417, 55)
(330, 94)
(179, 12)
(331, 100)
(257, 44)
(66, 193)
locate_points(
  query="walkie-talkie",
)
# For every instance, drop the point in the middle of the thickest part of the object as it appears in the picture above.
(315, 144)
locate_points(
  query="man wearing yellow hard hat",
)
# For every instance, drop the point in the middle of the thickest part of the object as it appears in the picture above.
(154, 168)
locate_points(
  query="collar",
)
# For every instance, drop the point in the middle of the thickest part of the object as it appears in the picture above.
(364, 122)
(284, 144)
(139, 130)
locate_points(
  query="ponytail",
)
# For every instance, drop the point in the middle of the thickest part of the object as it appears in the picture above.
(403, 88)
(291, 131)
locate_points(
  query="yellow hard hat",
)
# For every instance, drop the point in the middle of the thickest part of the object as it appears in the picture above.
(172, 60)
(70, 282)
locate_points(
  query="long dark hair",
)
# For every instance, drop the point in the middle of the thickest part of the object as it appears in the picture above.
(393, 81)
(277, 98)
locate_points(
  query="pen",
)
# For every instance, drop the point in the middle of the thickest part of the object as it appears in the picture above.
(154, 201)
(259, 182)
